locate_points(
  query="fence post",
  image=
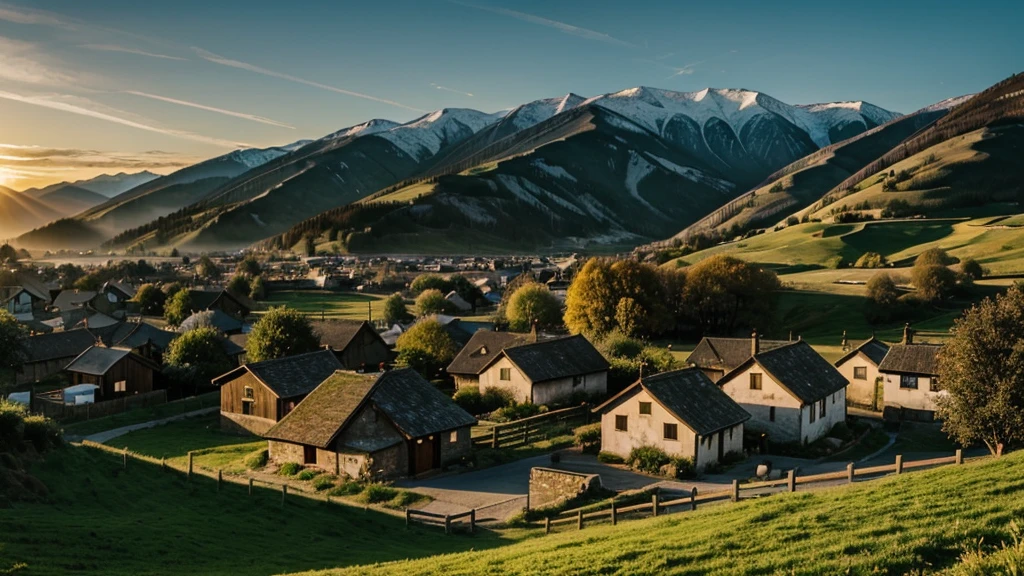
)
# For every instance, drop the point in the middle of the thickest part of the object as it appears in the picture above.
(899, 463)
(526, 435)
(472, 521)
(494, 437)
(547, 524)
(189, 477)
(579, 519)
(735, 490)
(124, 458)
(693, 498)
(408, 517)
(615, 518)
(654, 504)
(850, 472)
(220, 479)
(250, 486)
(791, 480)
(447, 524)
(959, 456)
(284, 492)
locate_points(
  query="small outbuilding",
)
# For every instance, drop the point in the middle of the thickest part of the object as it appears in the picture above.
(356, 344)
(117, 372)
(548, 371)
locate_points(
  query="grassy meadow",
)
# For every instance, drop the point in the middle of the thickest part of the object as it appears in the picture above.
(143, 415)
(350, 305)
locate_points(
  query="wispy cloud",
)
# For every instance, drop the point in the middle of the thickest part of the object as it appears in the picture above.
(22, 15)
(452, 90)
(22, 62)
(127, 50)
(242, 115)
(83, 107)
(211, 57)
(685, 70)
(43, 158)
(541, 21)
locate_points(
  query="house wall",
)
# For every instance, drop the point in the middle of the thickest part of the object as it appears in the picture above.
(366, 349)
(466, 381)
(264, 406)
(138, 379)
(391, 462)
(21, 306)
(543, 393)
(835, 412)
(786, 426)
(371, 428)
(36, 371)
(920, 399)
(860, 392)
(707, 447)
(454, 451)
(519, 385)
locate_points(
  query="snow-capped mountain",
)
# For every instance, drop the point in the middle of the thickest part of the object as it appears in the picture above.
(253, 157)
(533, 113)
(426, 135)
(364, 129)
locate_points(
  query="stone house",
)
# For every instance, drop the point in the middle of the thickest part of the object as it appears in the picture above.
(681, 412)
(255, 396)
(717, 356)
(791, 393)
(860, 368)
(483, 347)
(548, 371)
(356, 344)
(373, 426)
(910, 374)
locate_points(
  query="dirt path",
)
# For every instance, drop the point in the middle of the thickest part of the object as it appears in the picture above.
(107, 435)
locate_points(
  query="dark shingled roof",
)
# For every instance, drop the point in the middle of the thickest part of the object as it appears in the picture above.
(912, 359)
(727, 353)
(472, 359)
(691, 397)
(136, 334)
(71, 299)
(559, 358)
(96, 361)
(57, 345)
(289, 376)
(414, 405)
(801, 370)
(338, 334)
(873, 348)
(218, 318)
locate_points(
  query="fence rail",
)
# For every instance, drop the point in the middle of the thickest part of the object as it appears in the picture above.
(435, 519)
(657, 506)
(68, 413)
(519, 432)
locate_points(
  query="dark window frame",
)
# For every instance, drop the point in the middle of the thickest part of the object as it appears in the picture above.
(621, 423)
(756, 381)
(666, 428)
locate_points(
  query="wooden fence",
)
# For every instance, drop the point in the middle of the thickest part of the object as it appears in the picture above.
(524, 431)
(67, 413)
(447, 520)
(657, 506)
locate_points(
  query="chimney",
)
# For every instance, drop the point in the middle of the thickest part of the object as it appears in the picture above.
(845, 343)
(755, 343)
(908, 334)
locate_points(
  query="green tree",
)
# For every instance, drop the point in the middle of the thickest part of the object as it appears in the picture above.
(8, 253)
(432, 301)
(430, 282)
(394, 310)
(464, 288)
(594, 295)
(280, 332)
(12, 355)
(981, 368)
(257, 291)
(531, 302)
(933, 282)
(970, 268)
(933, 257)
(171, 289)
(870, 260)
(239, 285)
(197, 356)
(630, 316)
(68, 274)
(724, 293)
(249, 266)
(882, 290)
(207, 268)
(151, 300)
(426, 348)
(90, 282)
(178, 307)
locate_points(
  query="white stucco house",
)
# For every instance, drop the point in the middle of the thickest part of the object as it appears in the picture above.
(860, 368)
(547, 371)
(681, 412)
(718, 356)
(791, 392)
(911, 379)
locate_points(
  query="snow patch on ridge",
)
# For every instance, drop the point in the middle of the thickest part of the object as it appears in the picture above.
(554, 171)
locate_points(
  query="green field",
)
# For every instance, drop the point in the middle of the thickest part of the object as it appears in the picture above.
(916, 523)
(314, 303)
(213, 449)
(143, 415)
(143, 521)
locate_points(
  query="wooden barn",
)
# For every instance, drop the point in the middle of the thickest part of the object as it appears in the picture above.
(47, 354)
(117, 371)
(256, 396)
(356, 344)
(373, 426)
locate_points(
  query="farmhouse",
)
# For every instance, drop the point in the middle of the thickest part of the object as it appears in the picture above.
(717, 356)
(911, 380)
(860, 368)
(356, 344)
(681, 412)
(47, 354)
(548, 371)
(483, 347)
(255, 396)
(117, 371)
(791, 393)
(377, 426)
(23, 297)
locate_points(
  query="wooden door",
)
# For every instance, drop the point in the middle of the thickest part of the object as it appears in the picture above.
(309, 455)
(423, 454)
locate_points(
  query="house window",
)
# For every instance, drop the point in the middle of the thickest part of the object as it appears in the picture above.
(577, 380)
(908, 381)
(121, 386)
(933, 384)
(645, 408)
(671, 432)
(833, 398)
(814, 414)
(247, 392)
(755, 381)
(860, 373)
(821, 408)
(771, 414)
(453, 437)
(505, 374)
(620, 423)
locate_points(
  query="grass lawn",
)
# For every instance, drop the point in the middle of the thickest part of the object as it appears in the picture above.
(143, 415)
(873, 442)
(102, 520)
(213, 449)
(915, 523)
(313, 303)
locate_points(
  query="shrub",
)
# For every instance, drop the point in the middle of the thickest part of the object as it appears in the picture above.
(495, 398)
(324, 482)
(588, 438)
(619, 345)
(517, 412)
(404, 499)
(470, 400)
(685, 468)
(647, 459)
(933, 257)
(308, 474)
(870, 260)
(347, 488)
(970, 267)
(609, 458)
(714, 468)
(257, 459)
(792, 221)
(732, 457)
(377, 493)
(933, 282)
(290, 469)
(42, 432)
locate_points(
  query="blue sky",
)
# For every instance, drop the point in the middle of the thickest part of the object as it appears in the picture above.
(107, 85)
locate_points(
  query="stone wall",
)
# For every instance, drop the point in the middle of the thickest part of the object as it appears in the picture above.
(549, 487)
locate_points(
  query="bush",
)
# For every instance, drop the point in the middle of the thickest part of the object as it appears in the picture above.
(870, 260)
(377, 493)
(290, 469)
(970, 268)
(308, 474)
(495, 398)
(588, 438)
(619, 345)
(517, 412)
(470, 400)
(404, 499)
(714, 468)
(42, 432)
(685, 469)
(347, 488)
(647, 459)
(324, 482)
(732, 457)
(257, 459)
(609, 458)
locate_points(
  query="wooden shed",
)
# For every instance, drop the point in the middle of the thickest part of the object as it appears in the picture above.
(117, 371)
(356, 344)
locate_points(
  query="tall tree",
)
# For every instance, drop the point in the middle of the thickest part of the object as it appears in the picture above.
(432, 301)
(151, 300)
(280, 332)
(12, 355)
(178, 307)
(981, 368)
(207, 268)
(394, 309)
(533, 302)
(239, 285)
(197, 356)
(724, 293)
(249, 266)
(426, 348)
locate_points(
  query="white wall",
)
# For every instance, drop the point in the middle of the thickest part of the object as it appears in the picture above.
(835, 412)
(860, 392)
(920, 399)
(544, 393)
